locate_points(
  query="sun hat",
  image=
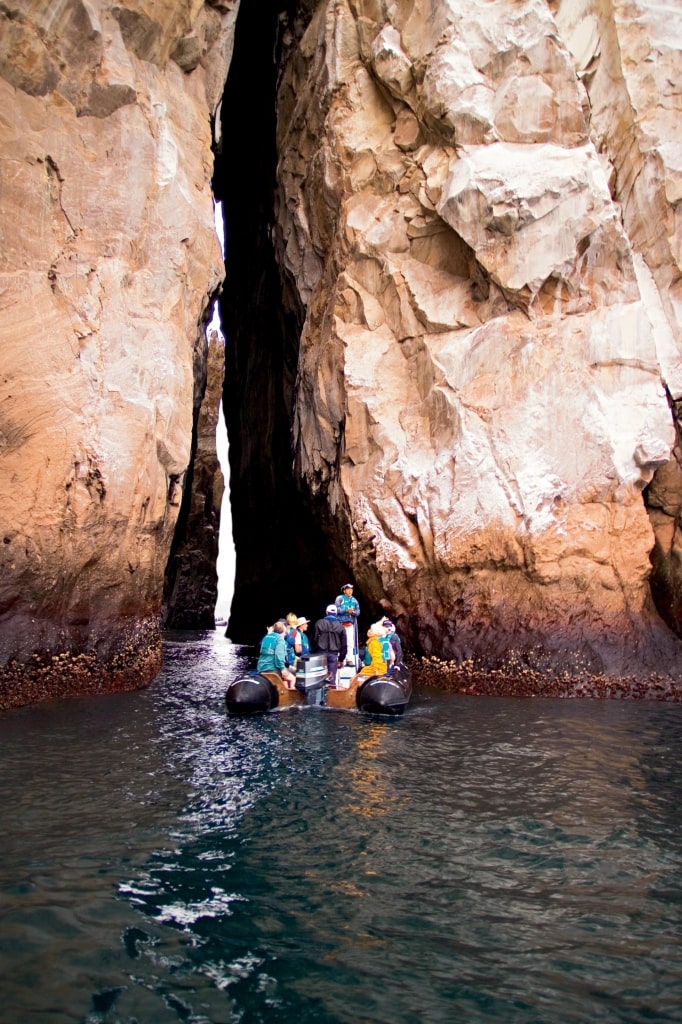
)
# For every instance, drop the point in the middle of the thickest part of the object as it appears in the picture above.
(302, 621)
(331, 609)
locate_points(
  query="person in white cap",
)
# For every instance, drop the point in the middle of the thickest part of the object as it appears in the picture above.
(329, 637)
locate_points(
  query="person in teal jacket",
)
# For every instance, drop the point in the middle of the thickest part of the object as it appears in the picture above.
(348, 606)
(302, 626)
(349, 611)
(273, 654)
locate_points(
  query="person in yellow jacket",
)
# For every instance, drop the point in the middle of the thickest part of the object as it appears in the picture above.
(378, 653)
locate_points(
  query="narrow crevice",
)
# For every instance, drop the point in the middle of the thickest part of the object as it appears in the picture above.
(191, 580)
(662, 500)
(283, 561)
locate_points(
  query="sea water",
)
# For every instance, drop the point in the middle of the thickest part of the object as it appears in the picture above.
(479, 859)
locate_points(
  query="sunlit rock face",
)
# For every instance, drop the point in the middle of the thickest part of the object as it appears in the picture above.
(628, 56)
(108, 260)
(488, 263)
(478, 230)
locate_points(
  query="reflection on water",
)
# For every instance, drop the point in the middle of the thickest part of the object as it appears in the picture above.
(480, 859)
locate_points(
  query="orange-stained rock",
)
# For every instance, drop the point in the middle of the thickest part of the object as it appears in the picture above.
(482, 369)
(479, 230)
(109, 259)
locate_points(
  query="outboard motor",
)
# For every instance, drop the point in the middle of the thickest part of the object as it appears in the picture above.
(311, 672)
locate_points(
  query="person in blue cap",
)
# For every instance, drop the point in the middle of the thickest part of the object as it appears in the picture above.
(394, 641)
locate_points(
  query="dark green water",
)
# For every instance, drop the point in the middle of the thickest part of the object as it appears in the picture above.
(477, 860)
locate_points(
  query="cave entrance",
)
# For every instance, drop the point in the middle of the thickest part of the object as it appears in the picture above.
(283, 560)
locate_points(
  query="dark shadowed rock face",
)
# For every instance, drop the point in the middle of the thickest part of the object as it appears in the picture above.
(191, 588)
(288, 554)
(663, 499)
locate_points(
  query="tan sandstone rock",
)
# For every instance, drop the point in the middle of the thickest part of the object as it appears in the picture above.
(481, 397)
(628, 56)
(108, 261)
(478, 217)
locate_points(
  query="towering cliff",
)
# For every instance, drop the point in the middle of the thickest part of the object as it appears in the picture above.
(108, 260)
(452, 310)
(477, 221)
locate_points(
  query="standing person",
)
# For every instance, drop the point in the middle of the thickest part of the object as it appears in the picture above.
(394, 641)
(349, 610)
(329, 637)
(273, 654)
(302, 626)
(347, 605)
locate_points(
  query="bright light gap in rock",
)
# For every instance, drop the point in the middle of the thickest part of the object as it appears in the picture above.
(226, 554)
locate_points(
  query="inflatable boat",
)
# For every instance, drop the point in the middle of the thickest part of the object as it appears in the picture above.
(352, 690)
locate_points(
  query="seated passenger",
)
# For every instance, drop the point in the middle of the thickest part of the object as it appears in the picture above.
(293, 639)
(378, 655)
(273, 654)
(394, 641)
(302, 627)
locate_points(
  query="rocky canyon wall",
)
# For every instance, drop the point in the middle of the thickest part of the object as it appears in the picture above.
(191, 590)
(108, 261)
(452, 310)
(479, 214)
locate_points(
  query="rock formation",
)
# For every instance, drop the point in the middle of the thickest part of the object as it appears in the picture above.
(109, 259)
(628, 56)
(488, 331)
(452, 311)
(191, 580)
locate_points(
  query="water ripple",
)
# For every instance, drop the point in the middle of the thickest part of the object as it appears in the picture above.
(485, 860)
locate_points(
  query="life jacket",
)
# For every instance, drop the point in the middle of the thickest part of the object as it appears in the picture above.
(345, 606)
(387, 649)
(376, 662)
(292, 637)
